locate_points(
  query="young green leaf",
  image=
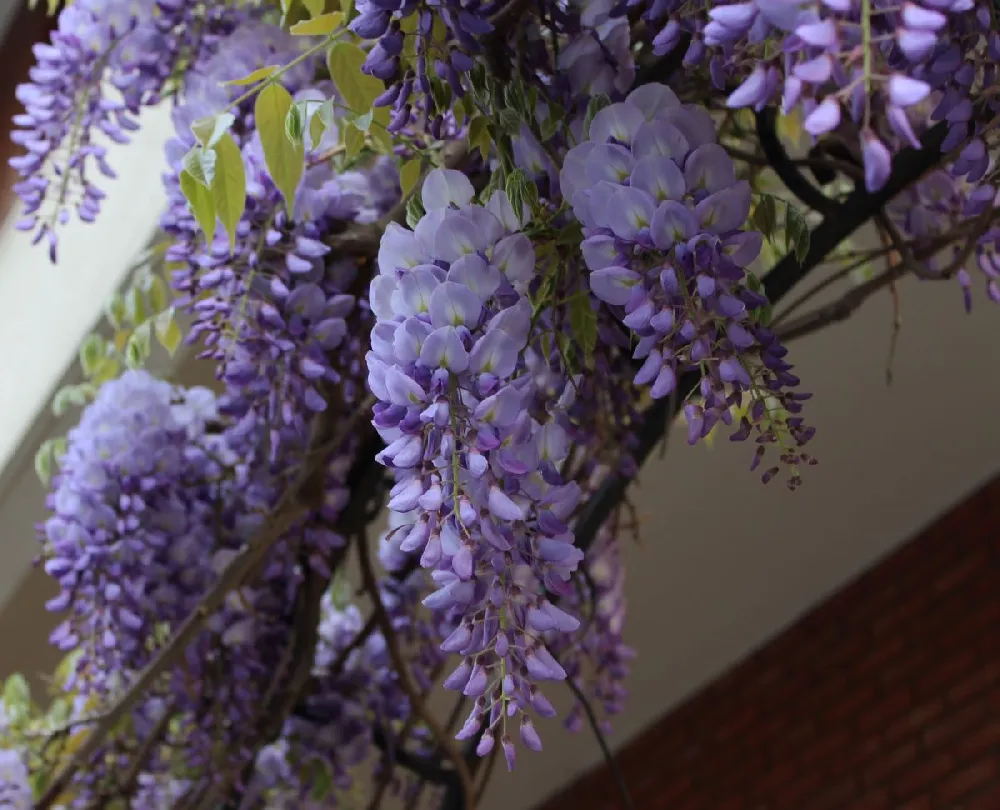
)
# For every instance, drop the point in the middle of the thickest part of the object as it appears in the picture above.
(135, 305)
(168, 332)
(139, 346)
(409, 173)
(114, 310)
(354, 141)
(202, 204)
(479, 136)
(285, 160)
(91, 354)
(200, 164)
(797, 234)
(44, 462)
(318, 26)
(583, 322)
(209, 130)
(257, 76)
(765, 216)
(379, 134)
(414, 210)
(229, 190)
(156, 292)
(358, 89)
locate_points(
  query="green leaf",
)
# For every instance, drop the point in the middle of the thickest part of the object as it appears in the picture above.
(358, 89)
(521, 192)
(156, 292)
(135, 305)
(44, 458)
(167, 331)
(414, 210)
(583, 322)
(114, 311)
(347, 6)
(257, 76)
(380, 136)
(17, 698)
(479, 136)
(70, 396)
(594, 106)
(91, 354)
(285, 160)
(202, 204)
(797, 234)
(765, 217)
(139, 346)
(295, 125)
(318, 26)
(209, 130)
(509, 122)
(200, 164)
(409, 173)
(229, 190)
(354, 141)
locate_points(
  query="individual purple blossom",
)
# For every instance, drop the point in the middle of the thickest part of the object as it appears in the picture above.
(663, 214)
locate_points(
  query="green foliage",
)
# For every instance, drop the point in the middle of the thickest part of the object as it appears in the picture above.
(70, 396)
(168, 332)
(409, 174)
(201, 201)
(796, 232)
(583, 323)
(229, 189)
(414, 210)
(199, 163)
(139, 346)
(765, 216)
(521, 191)
(259, 75)
(321, 25)
(17, 699)
(359, 90)
(479, 136)
(285, 160)
(209, 130)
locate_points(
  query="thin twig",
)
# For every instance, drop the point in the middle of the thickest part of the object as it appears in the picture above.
(609, 758)
(417, 705)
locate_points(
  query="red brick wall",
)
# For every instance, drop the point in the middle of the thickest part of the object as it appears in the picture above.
(886, 697)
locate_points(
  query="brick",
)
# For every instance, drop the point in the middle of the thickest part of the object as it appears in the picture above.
(926, 772)
(883, 766)
(965, 781)
(950, 724)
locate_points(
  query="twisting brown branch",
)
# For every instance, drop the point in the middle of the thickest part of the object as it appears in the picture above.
(417, 705)
(840, 309)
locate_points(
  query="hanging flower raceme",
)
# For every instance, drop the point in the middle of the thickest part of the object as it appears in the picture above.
(662, 215)
(273, 311)
(478, 471)
(445, 36)
(107, 59)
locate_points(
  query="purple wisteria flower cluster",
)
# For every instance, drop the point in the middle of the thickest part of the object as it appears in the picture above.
(663, 216)
(895, 69)
(480, 472)
(445, 38)
(273, 312)
(106, 61)
(152, 503)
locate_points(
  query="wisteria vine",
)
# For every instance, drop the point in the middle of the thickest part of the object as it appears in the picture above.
(470, 259)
